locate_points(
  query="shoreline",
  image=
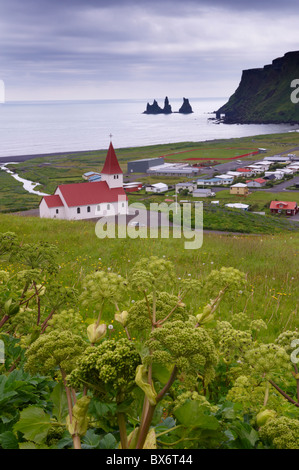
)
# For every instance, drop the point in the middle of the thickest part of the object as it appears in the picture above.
(24, 158)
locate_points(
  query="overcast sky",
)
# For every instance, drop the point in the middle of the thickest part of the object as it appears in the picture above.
(97, 49)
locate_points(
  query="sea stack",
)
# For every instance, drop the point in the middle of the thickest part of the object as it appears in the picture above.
(186, 107)
(153, 108)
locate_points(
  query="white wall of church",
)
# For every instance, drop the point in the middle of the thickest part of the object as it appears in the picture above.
(97, 210)
(113, 181)
(51, 212)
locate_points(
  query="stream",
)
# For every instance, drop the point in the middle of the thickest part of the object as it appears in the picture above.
(27, 185)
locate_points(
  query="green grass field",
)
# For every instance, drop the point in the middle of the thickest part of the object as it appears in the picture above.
(269, 261)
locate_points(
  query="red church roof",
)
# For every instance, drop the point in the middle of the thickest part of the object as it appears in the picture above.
(83, 194)
(111, 165)
(53, 201)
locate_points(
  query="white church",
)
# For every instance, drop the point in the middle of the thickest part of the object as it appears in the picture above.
(89, 200)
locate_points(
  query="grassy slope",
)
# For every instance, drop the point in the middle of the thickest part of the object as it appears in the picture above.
(270, 262)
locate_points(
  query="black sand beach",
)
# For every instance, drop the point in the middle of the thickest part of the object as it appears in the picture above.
(23, 158)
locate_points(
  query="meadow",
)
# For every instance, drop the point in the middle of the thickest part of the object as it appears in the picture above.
(270, 262)
(122, 343)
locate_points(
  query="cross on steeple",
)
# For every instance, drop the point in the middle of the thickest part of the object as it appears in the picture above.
(110, 135)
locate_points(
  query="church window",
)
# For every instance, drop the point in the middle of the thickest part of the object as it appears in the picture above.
(88, 208)
(57, 211)
(98, 207)
(78, 210)
(108, 207)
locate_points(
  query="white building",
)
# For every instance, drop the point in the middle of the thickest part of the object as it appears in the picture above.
(234, 174)
(89, 199)
(203, 193)
(225, 179)
(278, 174)
(188, 185)
(238, 205)
(173, 169)
(156, 188)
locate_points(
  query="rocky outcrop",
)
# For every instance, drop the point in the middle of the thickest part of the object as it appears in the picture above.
(264, 94)
(156, 109)
(153, 108)
(186, 107)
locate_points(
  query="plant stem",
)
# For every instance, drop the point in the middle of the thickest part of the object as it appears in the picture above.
(266, 393)
(148, 416)
(4, 320)
(45, 323)
(75, 437)
(297, 382)
(122, 430)
(283, 393)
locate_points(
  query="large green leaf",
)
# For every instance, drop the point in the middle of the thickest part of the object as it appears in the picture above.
(161, 373)
(34, 423)
(108, 442)
(59, 399)
(91, 440)
(193, 414)
(8, 440)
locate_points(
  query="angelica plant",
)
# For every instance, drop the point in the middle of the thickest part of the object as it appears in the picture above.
(108, 370)
(59, 351)
(281, 432)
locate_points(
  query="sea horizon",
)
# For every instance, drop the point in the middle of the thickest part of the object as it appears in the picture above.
(46, 127)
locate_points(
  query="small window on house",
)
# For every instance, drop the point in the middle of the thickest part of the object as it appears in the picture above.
(98, 207)
(57, 211)
(78, 210)
(123, 204)
(88, 208)
(108, 207)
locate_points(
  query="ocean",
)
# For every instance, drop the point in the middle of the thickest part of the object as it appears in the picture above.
(41, 127)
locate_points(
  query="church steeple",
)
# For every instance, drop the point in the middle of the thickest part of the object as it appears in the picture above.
(112, 172)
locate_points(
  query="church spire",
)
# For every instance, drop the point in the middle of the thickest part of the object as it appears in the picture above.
(111, 165)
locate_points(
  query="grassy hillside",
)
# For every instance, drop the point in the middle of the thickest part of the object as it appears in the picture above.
(270, 263)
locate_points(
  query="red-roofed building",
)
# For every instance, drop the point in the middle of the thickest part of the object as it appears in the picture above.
(244, 171)
(287, 208)
(89, 199)
(256, 183)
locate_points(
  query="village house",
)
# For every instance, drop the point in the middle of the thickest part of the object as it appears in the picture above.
(243, 207)
(187, 185)
(278, 175)
(89, 200)
(256, 183)
(209, 181)
(226, 179)
(234, 174)
(283, 207)
(156, 188)
(240, 189)
(203, 192)
(255, 169)
(246, 172)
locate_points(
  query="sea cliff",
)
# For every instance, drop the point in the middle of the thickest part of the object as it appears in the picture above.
(264, 94)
